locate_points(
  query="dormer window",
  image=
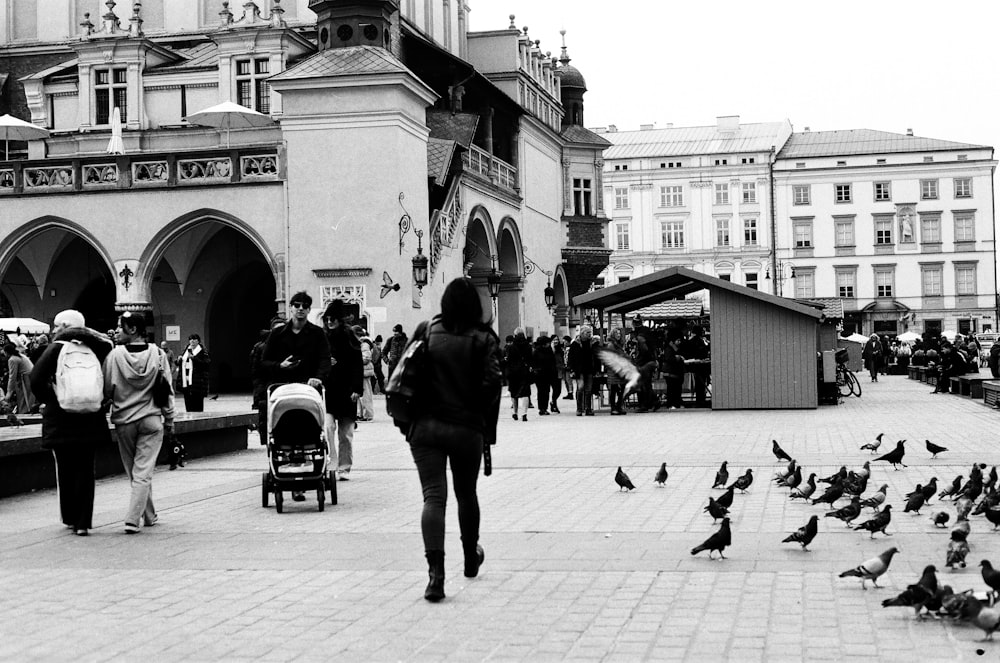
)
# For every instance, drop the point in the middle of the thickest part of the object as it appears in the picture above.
(110, 90)
(251, 89)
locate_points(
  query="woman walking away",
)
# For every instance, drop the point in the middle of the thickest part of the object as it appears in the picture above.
(872, 354)
(73, 435)
(543, 365)
(519, 373)
(459, 416)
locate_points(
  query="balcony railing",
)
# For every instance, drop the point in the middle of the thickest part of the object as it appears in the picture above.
(497, 171)
(140, 171)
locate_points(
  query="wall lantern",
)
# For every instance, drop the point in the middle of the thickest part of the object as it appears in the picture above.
(493, 282)
(550, 296)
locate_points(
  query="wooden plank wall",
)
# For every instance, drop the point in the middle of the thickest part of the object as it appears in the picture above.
(763, 356)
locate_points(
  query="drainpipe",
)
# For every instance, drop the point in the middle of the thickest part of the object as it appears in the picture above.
(288, 236)
(774, 223)
(993, 204)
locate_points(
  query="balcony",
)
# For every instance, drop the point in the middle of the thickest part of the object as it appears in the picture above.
(244, 165)
(480, 162)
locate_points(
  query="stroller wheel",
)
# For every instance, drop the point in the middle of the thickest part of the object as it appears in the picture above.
(279, 500)
(321, 497)
(264, 490)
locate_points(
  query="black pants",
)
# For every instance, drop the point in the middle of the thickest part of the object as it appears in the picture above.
(675, 387)
(434, 444)
(380, 378)
(556, 384)
(194, 402)
(616, 396)
(543, 386)
(75, 479)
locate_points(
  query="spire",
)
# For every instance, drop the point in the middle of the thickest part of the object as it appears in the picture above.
(225, 16)
(86, 27)
(512, 26)
(110, 24)
(277, 15)
(564, 58)
(135, 23)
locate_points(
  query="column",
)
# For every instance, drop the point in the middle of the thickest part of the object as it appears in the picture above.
(134, 113)
(84, 96)
(567, 189)
(599, 186)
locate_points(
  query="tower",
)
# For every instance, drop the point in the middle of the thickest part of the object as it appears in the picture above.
(572, 88)
(342, 23)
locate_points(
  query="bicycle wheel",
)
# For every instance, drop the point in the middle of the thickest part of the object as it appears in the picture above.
(843, 387)
(854, 384)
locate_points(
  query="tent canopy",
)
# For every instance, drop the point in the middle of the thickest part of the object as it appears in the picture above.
(23, 326)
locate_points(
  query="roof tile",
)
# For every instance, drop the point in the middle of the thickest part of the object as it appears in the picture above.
(343, 62)
(682, 141)
(862, 141)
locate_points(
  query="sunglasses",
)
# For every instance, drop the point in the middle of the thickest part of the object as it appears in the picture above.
(298, 305)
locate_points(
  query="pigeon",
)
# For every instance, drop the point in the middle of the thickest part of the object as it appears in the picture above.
(716, 510)
(964, 527)
(855, 484)
(805, 491)
(972, 489)
(878, 522)
(985, 618)
(625, 369)
(872, 569)
(873, 446)
(915, 501)
(934, 448)
(990, 501)
(785, 473)
(958, 548)
(953, 605)
(794, 480)
(895, 457)
(940, 519)
(990, 576)
(930, 488)
(992, 480)
(778, 452)
(214, 398)
(722, 476)
(726, 500)
(962, 509)
(805, 534)
(917, 595)
(951, 490)
(847, 513)
(623, 481)
(866, 470)
(661, 474)
(718, 541)
(836, 477)
(876, 500)
(832, 494)
(993, 515)
(977, 472)
(743, 481)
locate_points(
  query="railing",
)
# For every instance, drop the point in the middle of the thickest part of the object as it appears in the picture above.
(444, 225)
(139, 171)
(480, 162)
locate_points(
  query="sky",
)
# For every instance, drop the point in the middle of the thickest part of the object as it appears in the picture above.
(887, 65)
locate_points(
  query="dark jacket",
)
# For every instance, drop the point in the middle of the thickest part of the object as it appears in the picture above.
(582, 358)
(543, 363)
(872, 353)
(199, 373)
(463, 377)
(994, 361)
(257, 374)
(393, 349)
(518, 366)
(309, 346)
(346, 375)
(58, 426)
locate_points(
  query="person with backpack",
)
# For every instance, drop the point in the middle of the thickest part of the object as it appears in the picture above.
(130, 375)
(69, 380)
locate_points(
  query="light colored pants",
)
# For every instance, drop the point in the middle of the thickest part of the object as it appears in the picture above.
(366, 408)
(340, 435)
(139, 444)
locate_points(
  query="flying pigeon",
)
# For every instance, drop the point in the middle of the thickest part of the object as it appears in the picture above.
(715, 510)
(915, 500)
(743, 482)
(958, 548)
(778, 452)
(805, 534)
(940, 519)
(917, 595)
(805, 490)
(622, 367)
(951, 490)
(726, 499)
(623, 481)
(878, 522)
(985, 618)
(661, 474)
(847, 513)
(876, 500)
(718, 541)
(722, 476)
(895, 457)
(934, 448)
(872, 569)
(873, 446)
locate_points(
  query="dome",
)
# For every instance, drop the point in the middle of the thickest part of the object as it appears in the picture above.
(570, 76)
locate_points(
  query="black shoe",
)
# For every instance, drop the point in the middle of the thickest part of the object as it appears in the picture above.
(554, 410)
(81, 531)
(524, 417)
(579, 414)
(435, 573)
(589, 413)
(568, 397)
(473, 561)
(299, 496)
(542, 413)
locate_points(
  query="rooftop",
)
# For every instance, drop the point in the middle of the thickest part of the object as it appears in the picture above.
(863, 141)
(684, 141)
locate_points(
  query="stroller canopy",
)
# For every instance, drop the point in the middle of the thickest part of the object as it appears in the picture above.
(290, 397)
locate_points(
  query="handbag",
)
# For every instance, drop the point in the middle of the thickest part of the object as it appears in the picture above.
(162, 390)
(408, 382)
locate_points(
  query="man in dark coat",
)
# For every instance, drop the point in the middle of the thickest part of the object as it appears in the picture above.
(392, 351)
(72, 437)
(344, 384)
(582, 362)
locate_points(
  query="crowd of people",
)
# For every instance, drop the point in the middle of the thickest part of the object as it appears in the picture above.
(948, 357)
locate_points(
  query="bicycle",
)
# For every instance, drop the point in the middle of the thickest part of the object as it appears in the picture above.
(847, 382)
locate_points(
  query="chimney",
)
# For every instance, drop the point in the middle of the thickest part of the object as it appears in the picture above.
(646, 127)
(807, 130)
(728, 123)
(909, 132)
(612, 129)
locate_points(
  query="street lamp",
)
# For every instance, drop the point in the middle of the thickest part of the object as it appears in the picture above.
(549, 293)
(419, 261)
(780, 274)
(493, 281)
(550, 296)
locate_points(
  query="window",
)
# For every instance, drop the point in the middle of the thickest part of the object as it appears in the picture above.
(965, 227)
(671, 196)
(721, 194)
(883, 191)
(800, 164)
(751, 280)
(621, 197)
(749, 160)
(721, 162)
(930, 229)
(251, 88)
(841, 163)
(883, 230)
(880, 162)
(931, 280)
(928, 159)
(671, 164)
(722, 232)
(672, 234)
(884, 281)
(750, 232)
(842, 193)
(805, 283)
(801, 194)
(928, 189)
(110, 91)
(963, 187)
(749, 192)
(965, 279)
(726, 277)
(846, 283)
(803, 234)
(844, 232)
(581, 196)
(621, 237)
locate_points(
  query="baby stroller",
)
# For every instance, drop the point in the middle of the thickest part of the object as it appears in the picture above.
(297, 452)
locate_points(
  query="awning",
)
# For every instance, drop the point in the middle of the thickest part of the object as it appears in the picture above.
(885, 306)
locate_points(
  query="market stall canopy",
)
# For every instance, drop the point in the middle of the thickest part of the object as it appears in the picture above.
(23, 326)
(855, 338)
(908, 337)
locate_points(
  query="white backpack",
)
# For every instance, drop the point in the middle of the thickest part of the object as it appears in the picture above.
(79, 383)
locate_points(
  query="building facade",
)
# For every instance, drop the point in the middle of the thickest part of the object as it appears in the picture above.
(395, 135)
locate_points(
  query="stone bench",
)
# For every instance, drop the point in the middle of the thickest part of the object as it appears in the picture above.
(913, 372)
(991, 393)
(25, 466)
(968, 385)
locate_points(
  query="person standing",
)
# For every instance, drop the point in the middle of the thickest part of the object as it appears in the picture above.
(19, 395)
(583, 363)
(458, 419)
(344, 384)
(379, 381)
(72, 436)
(616, 383)
(543, 366)
(567, 374)
(518, 367)
(366, 408)
(696, 348)
(872, 355)
(194, 374)
(673, 370)
(130, 372)
(393, 348)
(994, 360)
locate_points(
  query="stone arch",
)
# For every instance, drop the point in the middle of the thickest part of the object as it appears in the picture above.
(510, 248)
(21, 236)
(480, 240)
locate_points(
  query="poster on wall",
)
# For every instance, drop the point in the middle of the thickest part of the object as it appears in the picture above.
(171, 332)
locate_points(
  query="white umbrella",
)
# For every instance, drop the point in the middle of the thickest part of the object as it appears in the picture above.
(12, 128)
(228, 115)
(855, 338)
(908, 337)
(948, 334)
(116, 145)
(23, 326)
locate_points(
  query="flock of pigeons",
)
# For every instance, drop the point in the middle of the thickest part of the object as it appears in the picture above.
(976, 494)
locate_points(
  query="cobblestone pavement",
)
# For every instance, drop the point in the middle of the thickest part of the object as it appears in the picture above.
(575, 569)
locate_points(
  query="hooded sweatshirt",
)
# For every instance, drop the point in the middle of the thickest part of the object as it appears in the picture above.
(129, 375)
